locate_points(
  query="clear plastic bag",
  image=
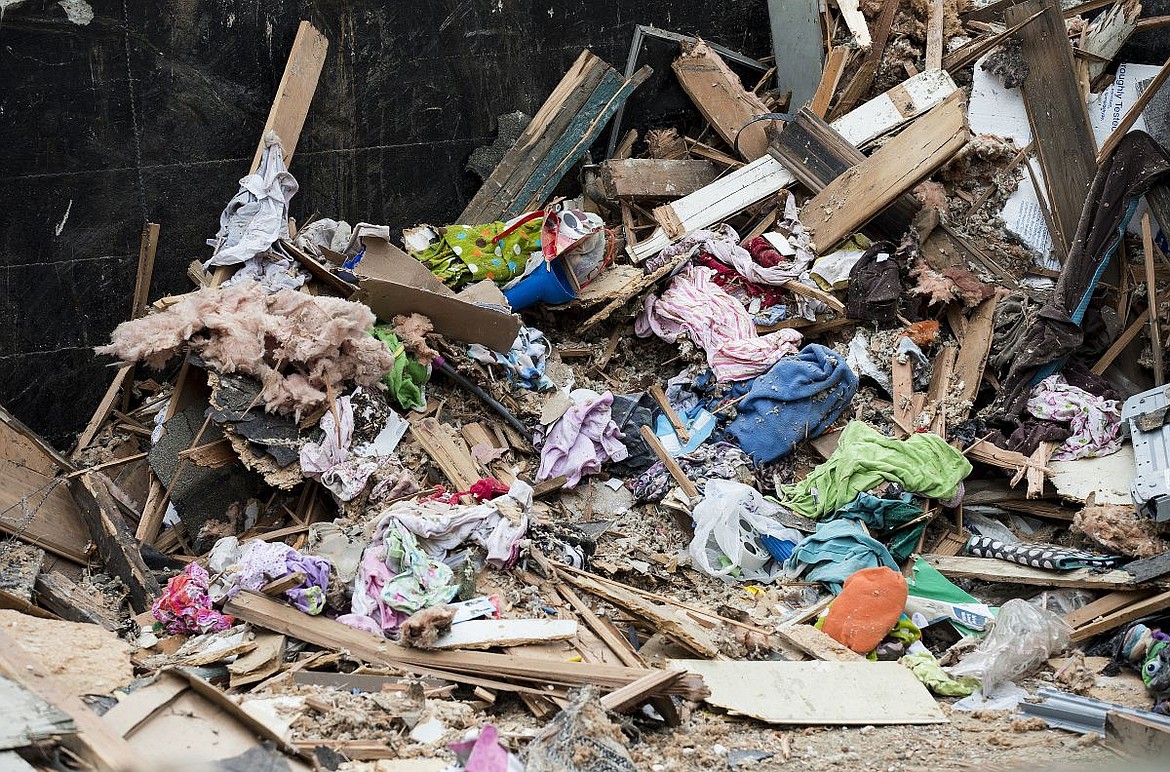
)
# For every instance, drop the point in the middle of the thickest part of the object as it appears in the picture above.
(728, 523)
(1023, 637)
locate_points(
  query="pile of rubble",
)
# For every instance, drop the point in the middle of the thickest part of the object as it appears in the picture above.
(819, 407)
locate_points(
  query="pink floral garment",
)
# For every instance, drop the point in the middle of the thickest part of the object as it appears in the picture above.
(1095, 422)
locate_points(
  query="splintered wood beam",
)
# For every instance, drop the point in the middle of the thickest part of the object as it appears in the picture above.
(1056, 112)
(722, 99)
(295, 93)
(86, 438)
(855, 22)
(456, 464)
(680, 477)
(992, 570)
(863, 191)
(116, 546)
(830, 77)
(974, 347)
(146, 253)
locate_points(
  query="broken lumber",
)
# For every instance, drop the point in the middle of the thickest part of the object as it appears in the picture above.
(298, 83)
(1056, 112)
(992, 570)
(456, 463)
(1125, 615)
(817, 644)
(761, 178)
(863, 191)
(454, 666)
(722, 99)
(493, 633)
(557, 137)
(645, 178)
(116, 546)
(680, 477)
(62, 596)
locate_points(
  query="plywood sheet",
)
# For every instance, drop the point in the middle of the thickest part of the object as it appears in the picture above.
(818, 693)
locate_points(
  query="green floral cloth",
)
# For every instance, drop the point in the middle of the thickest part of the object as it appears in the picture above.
(468, 253)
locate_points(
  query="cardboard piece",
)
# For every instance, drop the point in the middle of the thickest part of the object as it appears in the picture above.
(817, 693)
(391, 282)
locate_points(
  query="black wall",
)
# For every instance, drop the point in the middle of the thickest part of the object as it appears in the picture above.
(152, 111)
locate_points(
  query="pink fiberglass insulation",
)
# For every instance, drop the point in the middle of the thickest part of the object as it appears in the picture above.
(297, 345)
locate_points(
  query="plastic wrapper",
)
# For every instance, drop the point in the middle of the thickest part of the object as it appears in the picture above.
(1023, 637)
(728, 523)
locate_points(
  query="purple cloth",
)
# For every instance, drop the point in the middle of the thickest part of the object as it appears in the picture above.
(582, 439)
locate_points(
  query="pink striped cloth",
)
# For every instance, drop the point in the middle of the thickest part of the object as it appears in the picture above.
(716, 322)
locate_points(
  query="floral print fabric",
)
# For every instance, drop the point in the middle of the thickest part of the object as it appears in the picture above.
(1095, 422)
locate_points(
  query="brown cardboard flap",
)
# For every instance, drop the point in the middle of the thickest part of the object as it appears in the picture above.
(392, 282)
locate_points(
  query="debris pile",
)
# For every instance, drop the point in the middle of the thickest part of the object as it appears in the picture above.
(830, 401)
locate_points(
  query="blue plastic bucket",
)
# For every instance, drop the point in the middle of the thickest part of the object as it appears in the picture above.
(541, 286)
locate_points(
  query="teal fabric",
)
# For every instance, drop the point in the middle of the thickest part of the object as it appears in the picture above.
(837, 550)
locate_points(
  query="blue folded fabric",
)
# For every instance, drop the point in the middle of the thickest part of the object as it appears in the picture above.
(839, 549)
(800, 397)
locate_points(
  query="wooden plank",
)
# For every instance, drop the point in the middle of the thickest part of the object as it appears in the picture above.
(722, 99)
(992, 570)
(1056, 112)
(855, 22)
(61, 595)
(633, 694)
(295, 92)
(1137, 610)
(956, 60)
(94, 742)
(797, 47)
(817, 154)
(499, 633)
(1122, 342)
(85, 439)
(146, 252)
(818, 693)
(680, 477)
(670, 622)
(455, 666)
(653, 178)
(35, 505)
(116, 546)
(856, 196)
(761, 178)
(974, 347)
(1136, 737)
(1152, 291)
(903, 382)
(1103, 606)
(830, 77)
(1107, 34)
(680, 428)
(455, 462)
(934, 36)
(863, 77)
(558, 135)
(817, 644)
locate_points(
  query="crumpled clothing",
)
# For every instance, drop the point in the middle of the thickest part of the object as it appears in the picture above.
(797, 399)
(740, 288)
(407, 377)
(1095, 422)
(524, 363)
(838, 549)
(875, 286)
(926, 669)
(333, 447)
(1025, 438)
(403, 569)
(719, 460)
(331, 234)
(259, 562)
(329, 459)
(1047, 556)
(272, 272)
(630, 413)
(717, 323)
(886, 519)
(1013, 314)
(923, 463)
(184, 608)
(1055, 332)
(464, 254)
(258, 214)
(581, 440)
